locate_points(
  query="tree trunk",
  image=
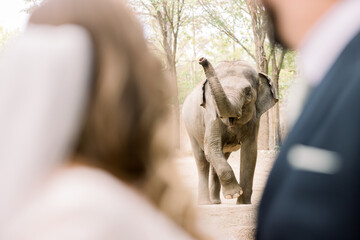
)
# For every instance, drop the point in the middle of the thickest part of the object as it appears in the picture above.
(276, 68)
(275, 117)
(193, 62)
(263, 138)
(262, 63)
(176, 105)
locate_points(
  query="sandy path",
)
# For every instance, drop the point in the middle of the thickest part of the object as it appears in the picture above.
(228, 220)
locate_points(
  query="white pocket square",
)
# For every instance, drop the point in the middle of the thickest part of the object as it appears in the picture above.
(306, 158)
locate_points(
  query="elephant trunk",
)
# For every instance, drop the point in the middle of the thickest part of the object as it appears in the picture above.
(223, 104)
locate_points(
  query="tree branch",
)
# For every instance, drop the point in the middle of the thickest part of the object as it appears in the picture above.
(219, 23)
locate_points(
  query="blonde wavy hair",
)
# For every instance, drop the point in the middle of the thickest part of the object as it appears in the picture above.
(129, 105)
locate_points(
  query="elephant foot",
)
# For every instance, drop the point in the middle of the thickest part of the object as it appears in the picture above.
(232, 190)
(243, 200)
(204, 201)
(215, 201)
(215, 196)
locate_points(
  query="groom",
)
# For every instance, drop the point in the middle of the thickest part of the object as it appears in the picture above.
(313, 191)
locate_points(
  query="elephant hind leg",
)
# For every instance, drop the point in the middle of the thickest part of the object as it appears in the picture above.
(214, 187)
(247, 169)
(203, 172)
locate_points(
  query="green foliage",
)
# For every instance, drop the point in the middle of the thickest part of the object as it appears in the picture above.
(188, 79)
(288, 74)
(31, 5)
(185, 87)
(216, 29)
(5, 37)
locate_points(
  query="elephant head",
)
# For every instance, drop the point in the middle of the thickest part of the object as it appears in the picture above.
(255, 94)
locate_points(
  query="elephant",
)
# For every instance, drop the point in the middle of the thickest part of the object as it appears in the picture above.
(222, 116)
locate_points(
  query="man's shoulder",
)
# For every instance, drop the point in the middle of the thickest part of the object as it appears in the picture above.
(350, 56)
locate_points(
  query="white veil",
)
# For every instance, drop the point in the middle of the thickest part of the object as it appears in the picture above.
(44, 88)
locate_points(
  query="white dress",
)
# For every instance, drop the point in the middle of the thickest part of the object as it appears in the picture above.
(86, 203)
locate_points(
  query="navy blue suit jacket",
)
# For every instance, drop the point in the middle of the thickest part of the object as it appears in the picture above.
(300, 204)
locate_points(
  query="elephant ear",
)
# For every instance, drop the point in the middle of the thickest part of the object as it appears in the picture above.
(203, 101)
(267, 95)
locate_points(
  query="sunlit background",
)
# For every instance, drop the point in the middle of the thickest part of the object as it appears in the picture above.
(220, 30)
(217, 29)
(13, 18)
(13, 14)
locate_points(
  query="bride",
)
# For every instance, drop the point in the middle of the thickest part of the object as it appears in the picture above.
(84, 141)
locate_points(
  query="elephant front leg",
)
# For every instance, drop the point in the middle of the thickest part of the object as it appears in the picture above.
(203, 173)
(247, 169)
(215, 184)
(214, 154)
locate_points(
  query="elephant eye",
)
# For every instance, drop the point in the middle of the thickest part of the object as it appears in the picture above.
(248, 96)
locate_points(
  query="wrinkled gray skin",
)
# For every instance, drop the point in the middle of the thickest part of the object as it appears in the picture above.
(221, 115)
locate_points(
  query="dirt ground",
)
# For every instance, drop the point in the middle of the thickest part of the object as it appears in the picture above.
(229, 221)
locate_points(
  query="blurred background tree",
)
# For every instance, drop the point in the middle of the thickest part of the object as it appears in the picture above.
(6, 36)
(181, 31)
(220, 30)
(31, 5)
(166, 18)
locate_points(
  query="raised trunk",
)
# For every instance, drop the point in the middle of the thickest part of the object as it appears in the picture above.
(224, 106)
